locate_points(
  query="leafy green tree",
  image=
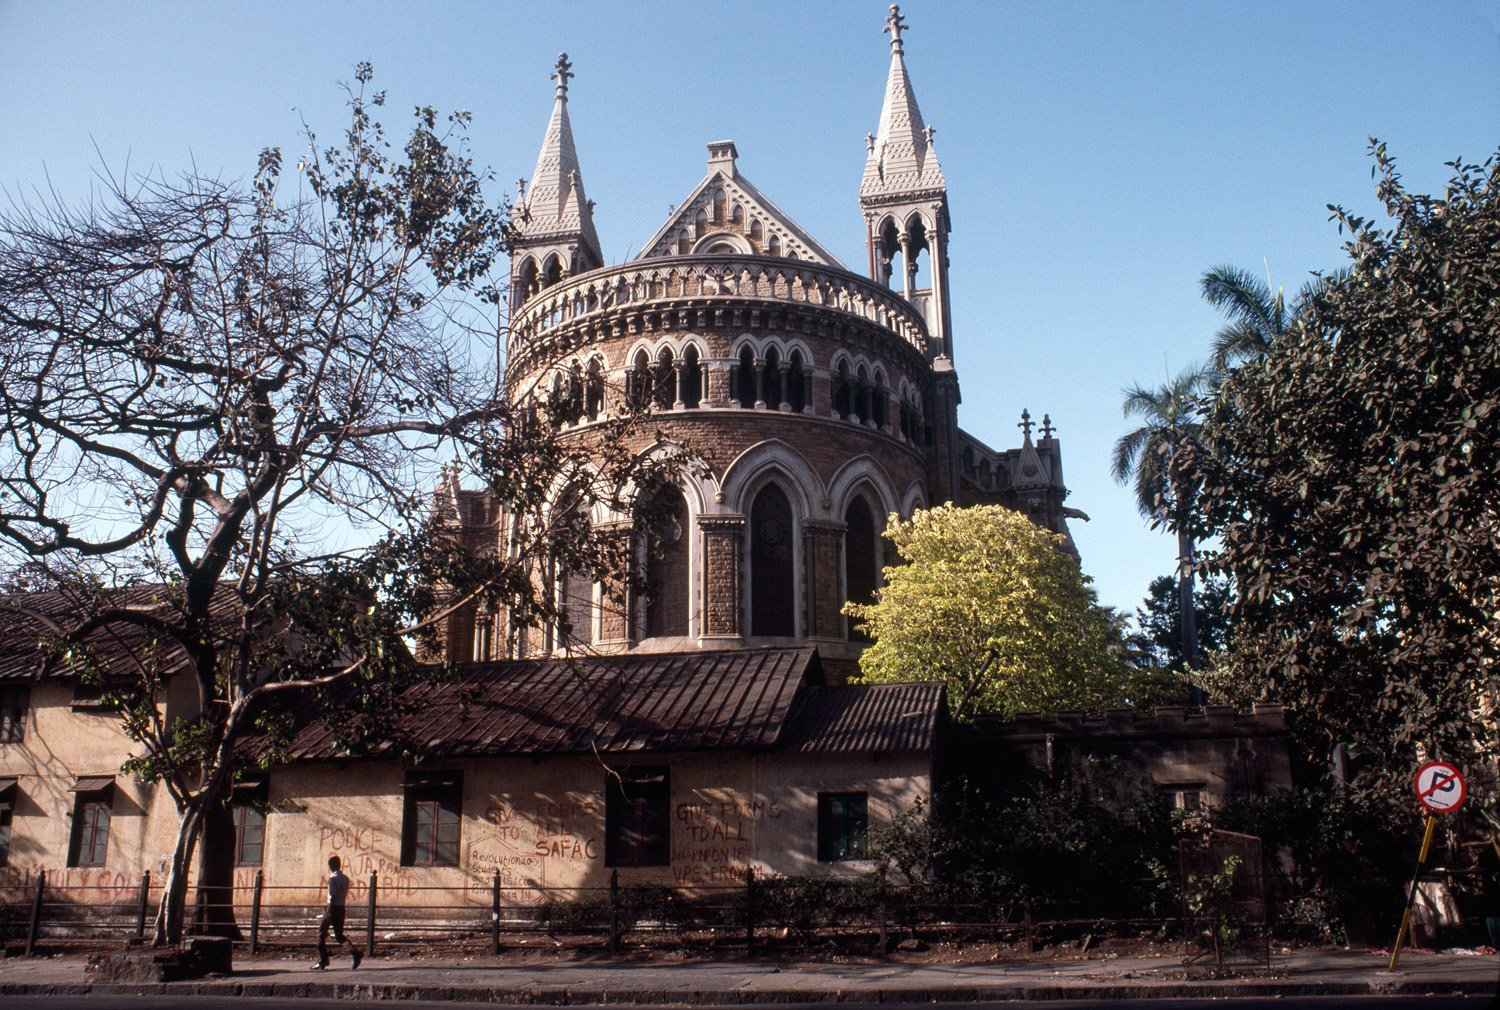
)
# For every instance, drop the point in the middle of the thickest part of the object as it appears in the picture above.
(1354, 479)
(1160, 620)
(988, 603)
(197, 376)
(1151, 459)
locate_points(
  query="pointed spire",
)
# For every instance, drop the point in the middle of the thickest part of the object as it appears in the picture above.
(901, 158)
(555, 209)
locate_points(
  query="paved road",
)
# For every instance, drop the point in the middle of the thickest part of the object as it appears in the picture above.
(1248, 1003)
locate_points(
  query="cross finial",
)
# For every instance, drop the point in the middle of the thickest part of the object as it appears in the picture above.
(1047, 428)
(1025, 424)
(895, 25)
(520, 189)
(929, 132)
(564, 71)
(870, 142)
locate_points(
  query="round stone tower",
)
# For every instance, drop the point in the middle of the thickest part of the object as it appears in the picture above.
(814, 401)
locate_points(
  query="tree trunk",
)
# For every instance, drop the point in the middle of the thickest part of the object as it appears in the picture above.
(170, 914)
(1187, 613)
(216, 874)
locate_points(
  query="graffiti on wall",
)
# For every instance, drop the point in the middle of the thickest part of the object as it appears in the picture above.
(716, 839)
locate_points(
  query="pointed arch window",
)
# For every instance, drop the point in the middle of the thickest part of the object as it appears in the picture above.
(861, 554)
(667, 584)
(524, 284)
(843, 396)
(665, 380)
(745, 379)
(797, 383)
(640, 380)
(593, 393)
(691, 392)
(575, 586)
(551, 272)
(772, 565)
(772, 389)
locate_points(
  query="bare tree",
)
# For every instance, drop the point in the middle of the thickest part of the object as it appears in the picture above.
(200, 377)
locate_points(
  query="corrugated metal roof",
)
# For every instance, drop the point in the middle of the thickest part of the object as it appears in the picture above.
(867, 717)
(738, 699)
(21, 630)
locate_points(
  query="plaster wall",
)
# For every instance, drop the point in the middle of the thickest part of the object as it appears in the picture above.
(541, 824)
(59, 745)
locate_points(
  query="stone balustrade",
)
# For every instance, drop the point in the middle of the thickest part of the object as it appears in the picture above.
(664, 284)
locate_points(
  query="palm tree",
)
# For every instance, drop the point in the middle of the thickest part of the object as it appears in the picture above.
(1258, 319)
(1150, 457)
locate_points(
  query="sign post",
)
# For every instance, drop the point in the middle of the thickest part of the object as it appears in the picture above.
(1441, 790)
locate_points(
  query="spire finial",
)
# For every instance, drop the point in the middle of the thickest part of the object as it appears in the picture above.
(1047, 428)
(895, 25)
(564, 71)
(929, 132)
(520, 189)
(1025, 424)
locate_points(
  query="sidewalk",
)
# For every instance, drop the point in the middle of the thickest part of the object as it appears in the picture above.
(602, 981)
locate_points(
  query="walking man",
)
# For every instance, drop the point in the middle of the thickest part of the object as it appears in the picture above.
(333, 916)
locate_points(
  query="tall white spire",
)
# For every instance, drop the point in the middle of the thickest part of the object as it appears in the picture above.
(901, 159)
(554, 212)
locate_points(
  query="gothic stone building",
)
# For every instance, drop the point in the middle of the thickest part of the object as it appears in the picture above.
(815, 400)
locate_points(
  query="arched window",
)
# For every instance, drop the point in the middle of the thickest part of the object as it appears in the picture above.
(551, 272)
(745, 379)
(861, 547)
(843, 400)
(524, 285)
(719, 205)
(666, 379)
(881, 401)
(667, 565)
(692, 377)
(756, 235)
(737, 216)
(772, 568)
(593, 391)
(775, 248)
(797, 379)
(575, 588)
(640, 380)
(770, 380)
(700, 224)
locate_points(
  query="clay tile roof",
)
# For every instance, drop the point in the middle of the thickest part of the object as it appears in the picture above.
(738, 700)
(870, 717)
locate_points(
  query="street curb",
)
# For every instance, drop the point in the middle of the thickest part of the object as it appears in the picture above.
(628, 997)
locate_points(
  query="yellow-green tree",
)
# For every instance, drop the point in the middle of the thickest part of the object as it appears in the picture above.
(987, 603)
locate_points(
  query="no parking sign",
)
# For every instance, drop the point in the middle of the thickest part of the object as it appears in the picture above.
(1440, 787)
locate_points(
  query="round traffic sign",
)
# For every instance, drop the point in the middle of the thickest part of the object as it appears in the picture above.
(1440, 787)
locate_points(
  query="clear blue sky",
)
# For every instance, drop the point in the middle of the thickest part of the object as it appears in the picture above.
(1099, 156)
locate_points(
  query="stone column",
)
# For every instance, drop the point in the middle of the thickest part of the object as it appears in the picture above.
(722, 538)
(760, 384)
(821, 540)
(719, 377)
(784, 371)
